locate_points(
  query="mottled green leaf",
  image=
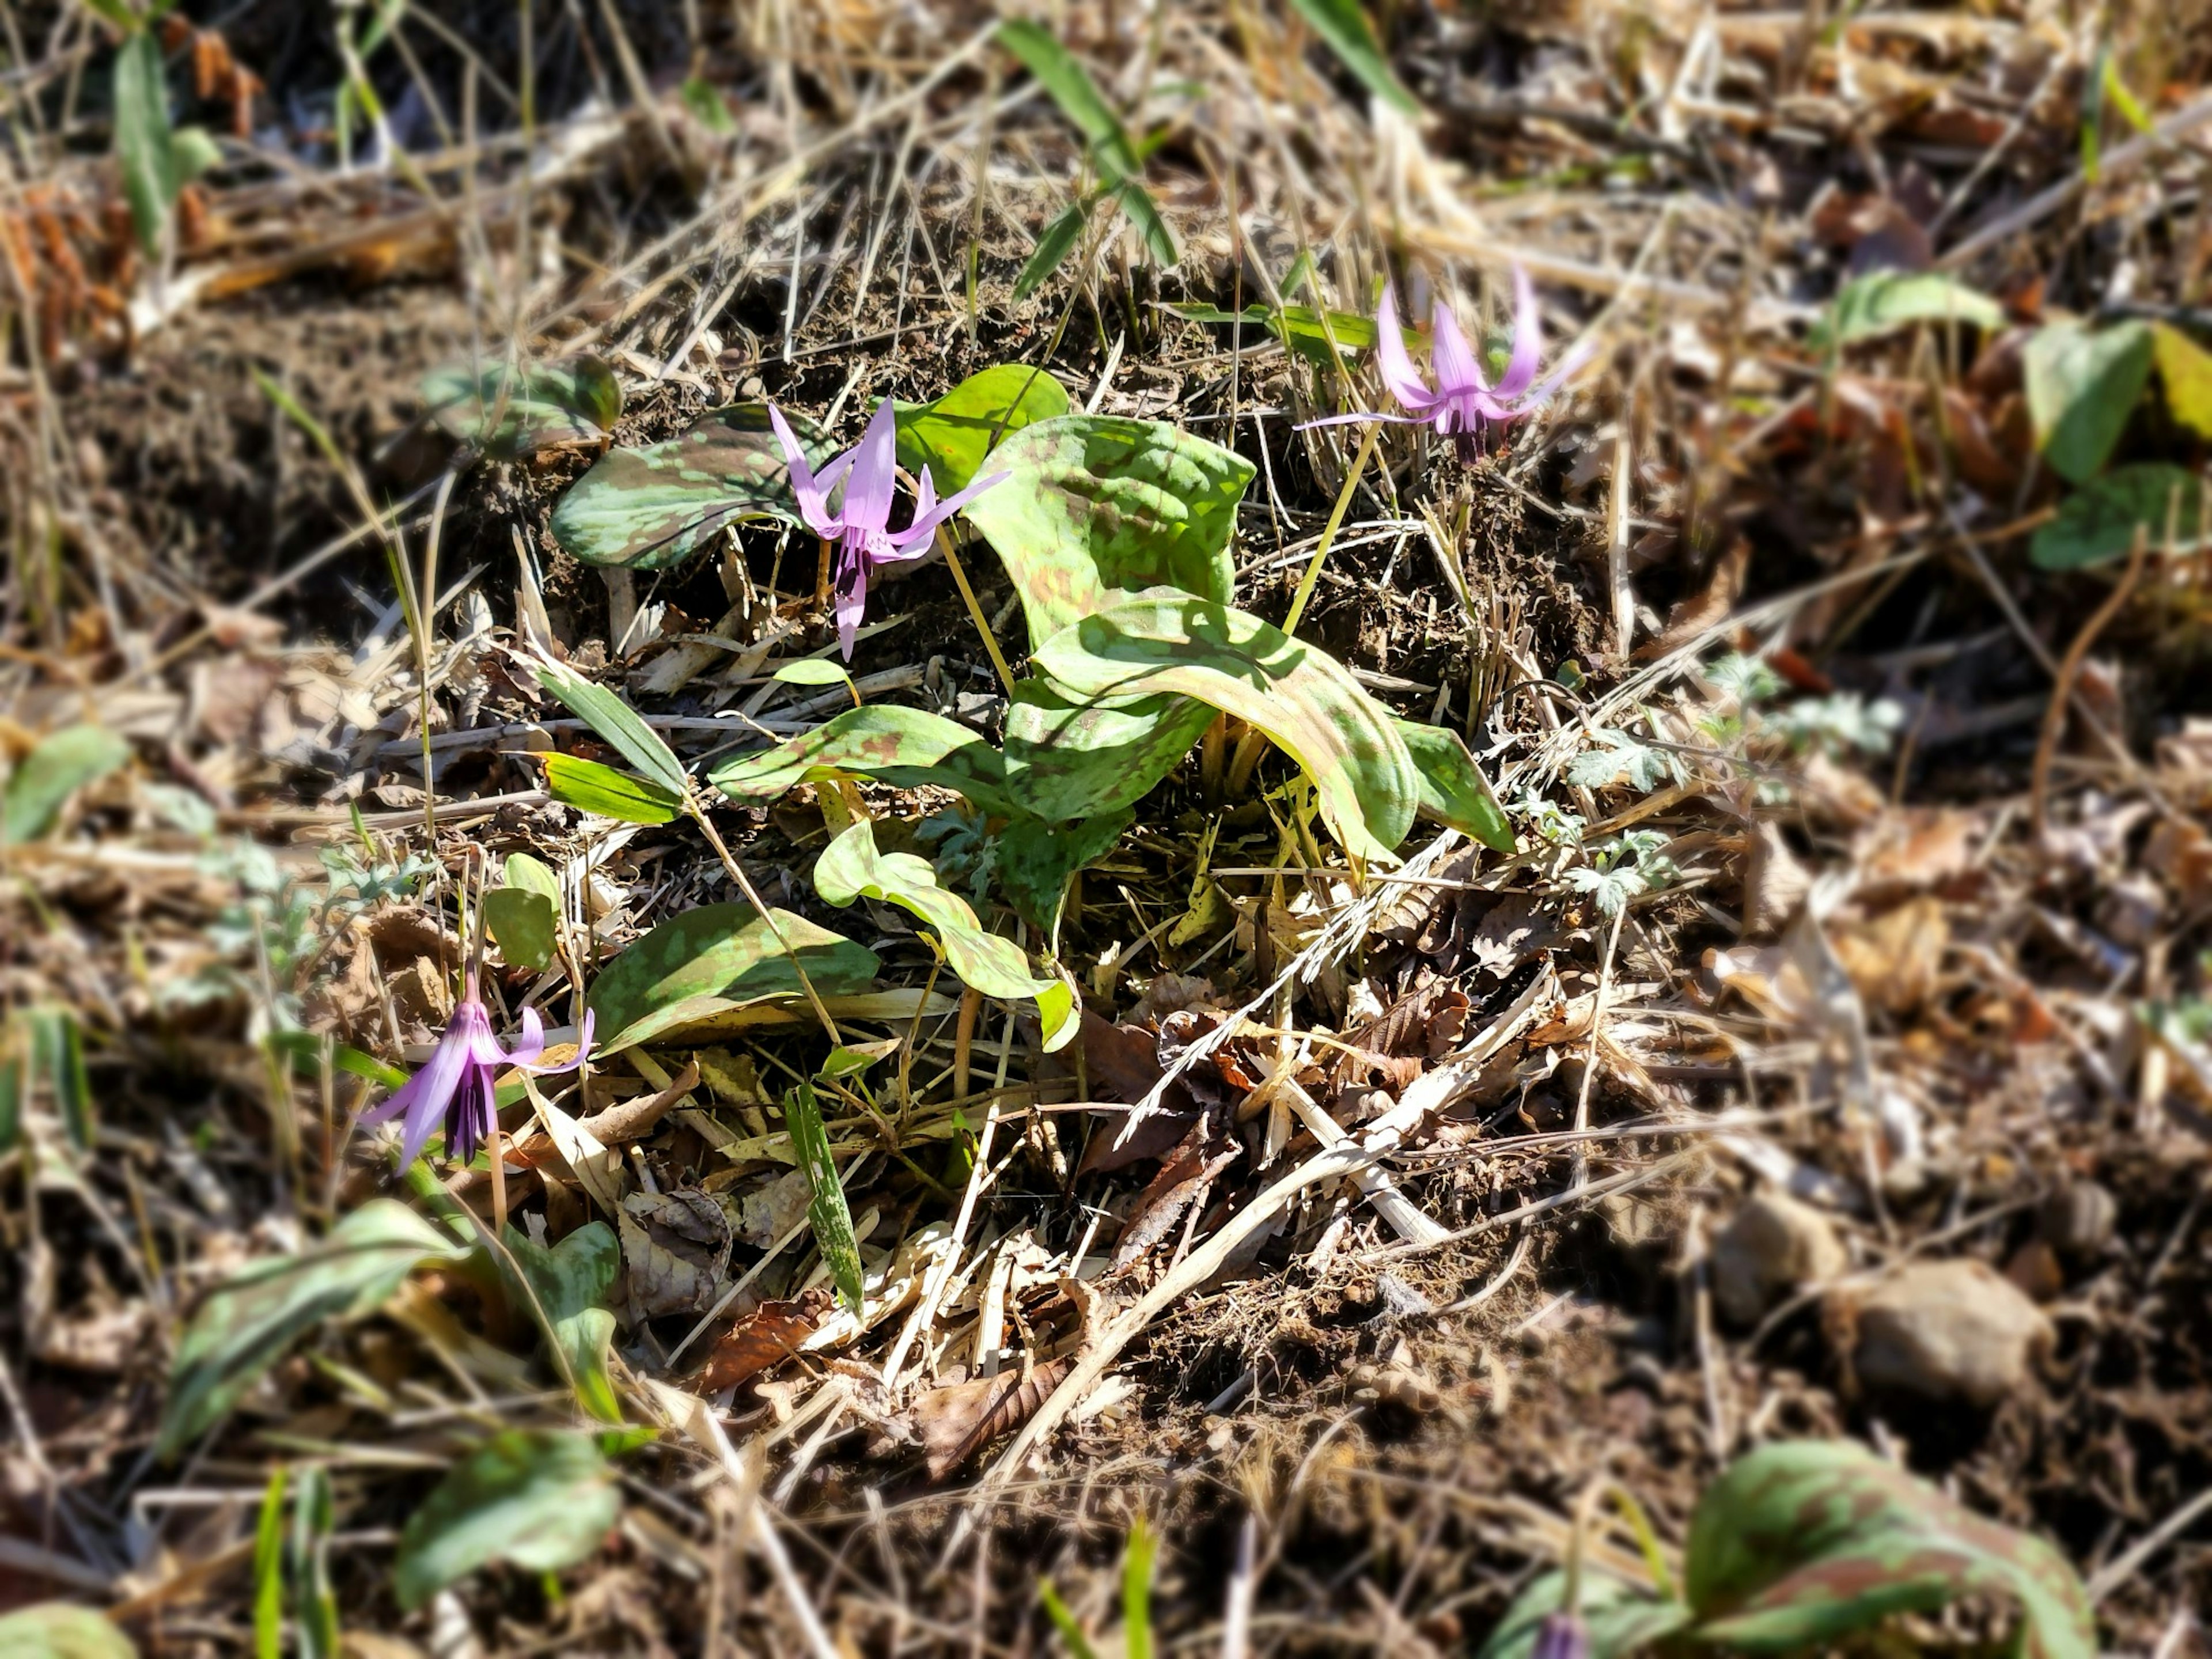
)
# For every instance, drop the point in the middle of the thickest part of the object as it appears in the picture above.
(650, 508)
(1036, 858)
(591, 787)
(2082, 386)
(1096, 503)
(144, 142)
(1618, 1619)
(1300, 328)
(827, 1212)
(713, 959)
(851, 868)
(815, 670)
(1302, 698)
(1802, 1542)
(952, 435)
(1882, 301)
(2098, 522)
(569, 1284)
(1453, 790)
(1054, 243)
(63, 762)
(616, 722)
(523, 922)
(537, 1498)
(506, 414)
(61, 1630)
(2185, 369)
(1343, 25)
(252, 1319)
(907, 748)
(1071, 758)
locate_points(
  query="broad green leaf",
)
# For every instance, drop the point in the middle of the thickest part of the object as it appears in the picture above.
(1343, 25)
(1096, 503)
(2082, 386)
(827, 1212)
(1802, 1542)
(524, 923)
(1882, 301)
(1036, 858)
(2185, 369)
(817, 671)
(907, 748)
(1616, 1618)
(61, 1630)
(1072, 758)
(1054, 243)
(952, 435)
(570, 1283)
(506, 414)
(63, 762)
(651, 509)
(144, 144)
(1302, 698)
(252, 1319)
(2097, 523)
(194, 151)
(532, 875)
(851, 868)
(1070, 87)
(537, 1498)
(57, 1064)
(713, 959)
(616, 722)
(591, 787)
(1453, 790)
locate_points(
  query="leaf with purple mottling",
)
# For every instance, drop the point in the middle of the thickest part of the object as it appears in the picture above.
(907, 748)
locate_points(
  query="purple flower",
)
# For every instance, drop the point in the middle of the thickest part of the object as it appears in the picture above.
(1463, 403)
(860, 523)
(1561, 1636)
(458, 1079)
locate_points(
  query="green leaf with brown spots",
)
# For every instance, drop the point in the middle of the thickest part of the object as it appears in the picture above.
(1453, 790)
(507, 414)
(2098, 522)
(907, 748)
(1302, 698)
(1070, 758)
(952, 435)
(714, 959)
(650, 508)
(1036, 858)
(1803, 1541)
(851, 868)
(1095, 503)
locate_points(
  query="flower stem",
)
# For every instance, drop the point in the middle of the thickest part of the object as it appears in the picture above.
(746, 886)
(975, 611)
(1328, 531)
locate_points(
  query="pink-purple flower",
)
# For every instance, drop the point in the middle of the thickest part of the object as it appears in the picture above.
(1463, 403)
(860, 522)
(454, 1087)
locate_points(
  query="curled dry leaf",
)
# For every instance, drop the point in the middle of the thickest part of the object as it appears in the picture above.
(678, 1247)
(955, 1422)
(767, 1336)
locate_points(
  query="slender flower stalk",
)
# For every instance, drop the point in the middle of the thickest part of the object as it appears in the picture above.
(1462, 405)
(454, 1087)
(860, 522)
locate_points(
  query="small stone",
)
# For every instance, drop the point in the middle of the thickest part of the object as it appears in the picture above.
(1946, 1331)
(2078, 1220)
(1772, 1245)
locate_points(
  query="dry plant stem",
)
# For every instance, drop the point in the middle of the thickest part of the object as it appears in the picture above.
(1597, 1030)
(746, 886)
(975, 611)
(926, 1312)
(964, 1041)
(2070, 666)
